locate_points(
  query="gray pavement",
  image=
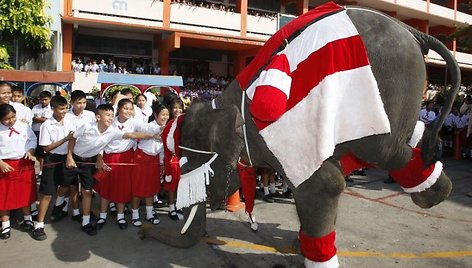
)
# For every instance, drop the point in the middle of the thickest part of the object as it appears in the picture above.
(378, 226)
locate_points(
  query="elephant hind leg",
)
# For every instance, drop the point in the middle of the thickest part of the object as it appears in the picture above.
(317, 204)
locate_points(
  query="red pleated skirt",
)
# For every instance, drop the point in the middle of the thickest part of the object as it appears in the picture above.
(146, 180)
(17, 188)
(115, 185)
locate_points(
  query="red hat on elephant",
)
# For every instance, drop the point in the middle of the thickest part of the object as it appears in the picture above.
(271, 93)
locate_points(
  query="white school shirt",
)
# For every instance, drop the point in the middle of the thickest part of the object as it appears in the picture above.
(90, 142)
(150, 98)
(23, 113)
(39, 111)
(151, 146)
(146, 113)
(15, 145)
(52, 131)
(123, 145)
(86, 117)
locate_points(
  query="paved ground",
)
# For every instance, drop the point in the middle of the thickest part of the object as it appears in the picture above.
(378, 226)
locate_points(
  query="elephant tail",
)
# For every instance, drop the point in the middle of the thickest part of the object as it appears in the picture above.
(430, 144)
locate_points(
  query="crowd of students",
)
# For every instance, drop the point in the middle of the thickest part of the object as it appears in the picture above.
(103, 151)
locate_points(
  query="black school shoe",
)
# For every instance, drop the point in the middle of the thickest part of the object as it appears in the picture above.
(39, 234)
(89, 229)
(57, 213)
(6, 233)
(27, 226)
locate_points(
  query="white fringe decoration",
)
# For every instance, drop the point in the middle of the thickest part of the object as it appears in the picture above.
(192, 186)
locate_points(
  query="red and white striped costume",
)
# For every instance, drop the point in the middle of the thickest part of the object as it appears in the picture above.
(316, 90)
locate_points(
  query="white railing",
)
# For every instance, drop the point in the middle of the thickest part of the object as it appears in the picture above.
(200, 19)
(261, 27)
(145, 12)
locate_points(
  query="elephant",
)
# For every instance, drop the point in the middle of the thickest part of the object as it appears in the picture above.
(227, 126)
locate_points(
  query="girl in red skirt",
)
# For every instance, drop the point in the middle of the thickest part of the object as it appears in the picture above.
(148, 159)
(115, 185)
(17, 178)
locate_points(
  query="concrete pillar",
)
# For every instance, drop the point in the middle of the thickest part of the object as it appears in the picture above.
(67, 32)
(241, 7)
(166, 15)
(302, 7)
(239, 63)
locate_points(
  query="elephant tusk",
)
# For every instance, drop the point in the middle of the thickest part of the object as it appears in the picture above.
(189, 221)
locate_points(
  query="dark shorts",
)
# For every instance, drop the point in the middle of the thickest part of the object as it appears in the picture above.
(54, 172)
(83, 173)
(39, 151)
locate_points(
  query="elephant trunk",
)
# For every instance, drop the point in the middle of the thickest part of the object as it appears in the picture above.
(172, 234)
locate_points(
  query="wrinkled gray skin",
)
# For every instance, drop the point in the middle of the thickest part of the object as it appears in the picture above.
(398, 66)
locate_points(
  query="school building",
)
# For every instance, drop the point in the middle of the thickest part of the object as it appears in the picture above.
(192, 37)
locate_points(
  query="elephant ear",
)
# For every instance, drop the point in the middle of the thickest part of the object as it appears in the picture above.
(216, 130)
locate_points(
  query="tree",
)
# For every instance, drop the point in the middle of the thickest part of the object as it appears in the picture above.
(27, 21)
(463, 36)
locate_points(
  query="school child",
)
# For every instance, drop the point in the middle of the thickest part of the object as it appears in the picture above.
(23, 113)
(86, 146)
(126, 93)
(146, 110)
(146, 180)
(80, 116)
(41, 113)
(115, 186)
(54, 136)
(18, 97)
(176, 109)
(17, 180)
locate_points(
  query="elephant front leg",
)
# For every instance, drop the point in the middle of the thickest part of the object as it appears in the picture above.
(317, 204)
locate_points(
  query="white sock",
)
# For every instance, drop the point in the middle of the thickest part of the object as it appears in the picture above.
(120, 216)
(266, 190)
(59, 200)
(85, 220)
(272, 187)
(38, 225)
(171, 207)
(156, 198)
(103, 215)
(40, 173)
(75, 212)
(27, 218)
(135, 213)
(34, 206)
(5, 224)
(149, 210)
(66, 207)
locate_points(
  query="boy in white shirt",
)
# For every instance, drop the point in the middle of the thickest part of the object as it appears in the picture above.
(79, 117)
(87, 145)
(54, 136)
(41, 113)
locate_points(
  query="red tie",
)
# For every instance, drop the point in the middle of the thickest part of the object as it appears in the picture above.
(12, 130)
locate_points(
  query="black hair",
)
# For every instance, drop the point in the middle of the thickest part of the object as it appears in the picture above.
(157, 107)
(17, 89)
(58, 101)
(104, 107)
(123, 102)
(77, 95)
(142, 96)
(45, 94)
(126, 91)
(4, 84)
(113, 94)
(5, 109)
(168, 98)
